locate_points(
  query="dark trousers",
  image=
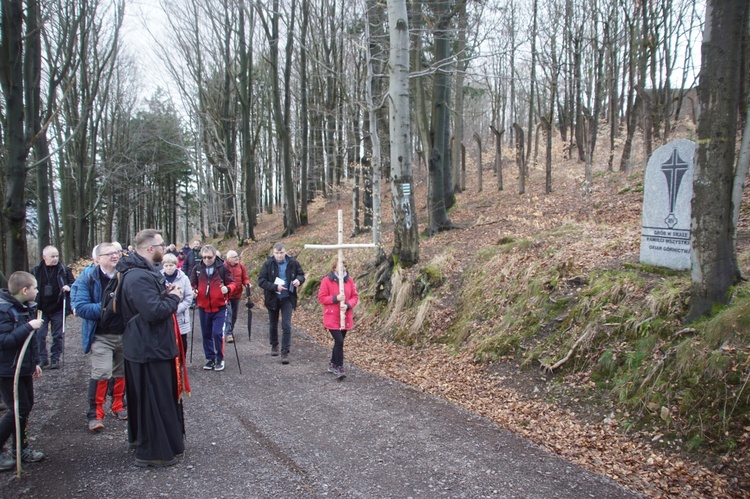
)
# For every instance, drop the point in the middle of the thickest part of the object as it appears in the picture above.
(212, 328)
(58, 337)
(337, 355)
(25, 403)
(284, 310)
(234, 306)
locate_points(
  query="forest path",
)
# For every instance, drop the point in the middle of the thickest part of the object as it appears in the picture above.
(290, 431)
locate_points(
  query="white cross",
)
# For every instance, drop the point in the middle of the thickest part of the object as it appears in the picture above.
(340, 267)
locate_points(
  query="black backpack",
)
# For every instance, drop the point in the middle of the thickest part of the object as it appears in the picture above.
(112, 320)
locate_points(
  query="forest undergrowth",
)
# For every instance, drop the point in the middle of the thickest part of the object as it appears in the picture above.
(536, 314)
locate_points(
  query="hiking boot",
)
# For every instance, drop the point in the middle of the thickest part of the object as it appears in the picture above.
(285, 358)
(96, 425)
(122, 415)
(154, 463)
(230, 338)
(219, 366)
(340, 373)
(44, 364)
(28, 455)
(6, 462)
(332, 368)
(274, 350)
(209, 365)
(54, 365)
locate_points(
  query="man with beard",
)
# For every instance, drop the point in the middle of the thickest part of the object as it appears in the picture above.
(54, 280)
(154, 363)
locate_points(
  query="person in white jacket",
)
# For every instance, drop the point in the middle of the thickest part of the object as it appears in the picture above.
(177, 276)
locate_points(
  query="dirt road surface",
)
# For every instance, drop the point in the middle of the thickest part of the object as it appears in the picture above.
(289, 431)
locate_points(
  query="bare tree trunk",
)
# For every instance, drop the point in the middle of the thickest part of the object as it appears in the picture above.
(714, 261)
(11, 79)
(372, 117)
(479, 162)
(498, 155)
(248, 140)
(33, 70)
(520, 158)
(439, 159)
(304, 115)
(532, 80)
(406, 237)
(458, 111)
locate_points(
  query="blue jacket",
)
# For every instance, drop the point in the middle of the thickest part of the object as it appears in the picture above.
(86, 299)
(14, 329)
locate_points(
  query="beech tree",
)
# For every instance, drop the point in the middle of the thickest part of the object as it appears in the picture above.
(713, 257)
(16, 140)
(406, 237)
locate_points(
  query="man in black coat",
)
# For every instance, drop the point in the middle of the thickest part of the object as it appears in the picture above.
(53, 282)
(154, 367)
(192, 256)
(280, 277)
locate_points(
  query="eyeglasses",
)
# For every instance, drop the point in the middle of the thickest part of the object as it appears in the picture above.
(163, 245)
(208, 257)
(111, 254)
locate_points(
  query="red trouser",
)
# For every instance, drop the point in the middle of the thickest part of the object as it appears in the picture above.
(98, 396)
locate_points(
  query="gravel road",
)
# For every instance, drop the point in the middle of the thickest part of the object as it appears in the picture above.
(290, 431)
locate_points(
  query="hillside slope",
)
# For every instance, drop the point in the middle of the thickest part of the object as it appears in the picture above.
(523, 264)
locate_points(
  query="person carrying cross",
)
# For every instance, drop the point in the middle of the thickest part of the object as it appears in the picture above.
(334, 301)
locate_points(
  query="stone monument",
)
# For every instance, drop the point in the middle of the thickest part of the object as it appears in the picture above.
(667, 194)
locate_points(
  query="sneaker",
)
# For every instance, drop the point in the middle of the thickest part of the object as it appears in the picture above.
(209, 365)
(230, 338)
(96, 425)
(29, 455)
(332, 368)
(54, 365)
(340, 373)
(219, 366)
(285, 358)
(7, 463)
(122, 415)
(274, 350)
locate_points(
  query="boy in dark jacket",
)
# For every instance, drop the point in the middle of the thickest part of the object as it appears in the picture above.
(17, 322)
(211, 281)
(280, 277)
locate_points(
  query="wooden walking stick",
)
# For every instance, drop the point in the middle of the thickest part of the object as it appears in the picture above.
(15, 396)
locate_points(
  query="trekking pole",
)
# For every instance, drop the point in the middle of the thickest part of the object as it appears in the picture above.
(249, 306)
(238, 356)
(16, 403)
(192, 333)
(65, 309)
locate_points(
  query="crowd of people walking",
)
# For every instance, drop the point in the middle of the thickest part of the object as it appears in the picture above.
(135, 310)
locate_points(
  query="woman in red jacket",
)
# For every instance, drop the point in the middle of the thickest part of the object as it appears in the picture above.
(333, 301)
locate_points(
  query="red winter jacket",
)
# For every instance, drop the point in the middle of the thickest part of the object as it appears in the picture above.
(208, 291)
(239, 273)
(329, 290)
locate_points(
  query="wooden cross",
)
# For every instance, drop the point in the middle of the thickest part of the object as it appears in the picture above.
(340, 267)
